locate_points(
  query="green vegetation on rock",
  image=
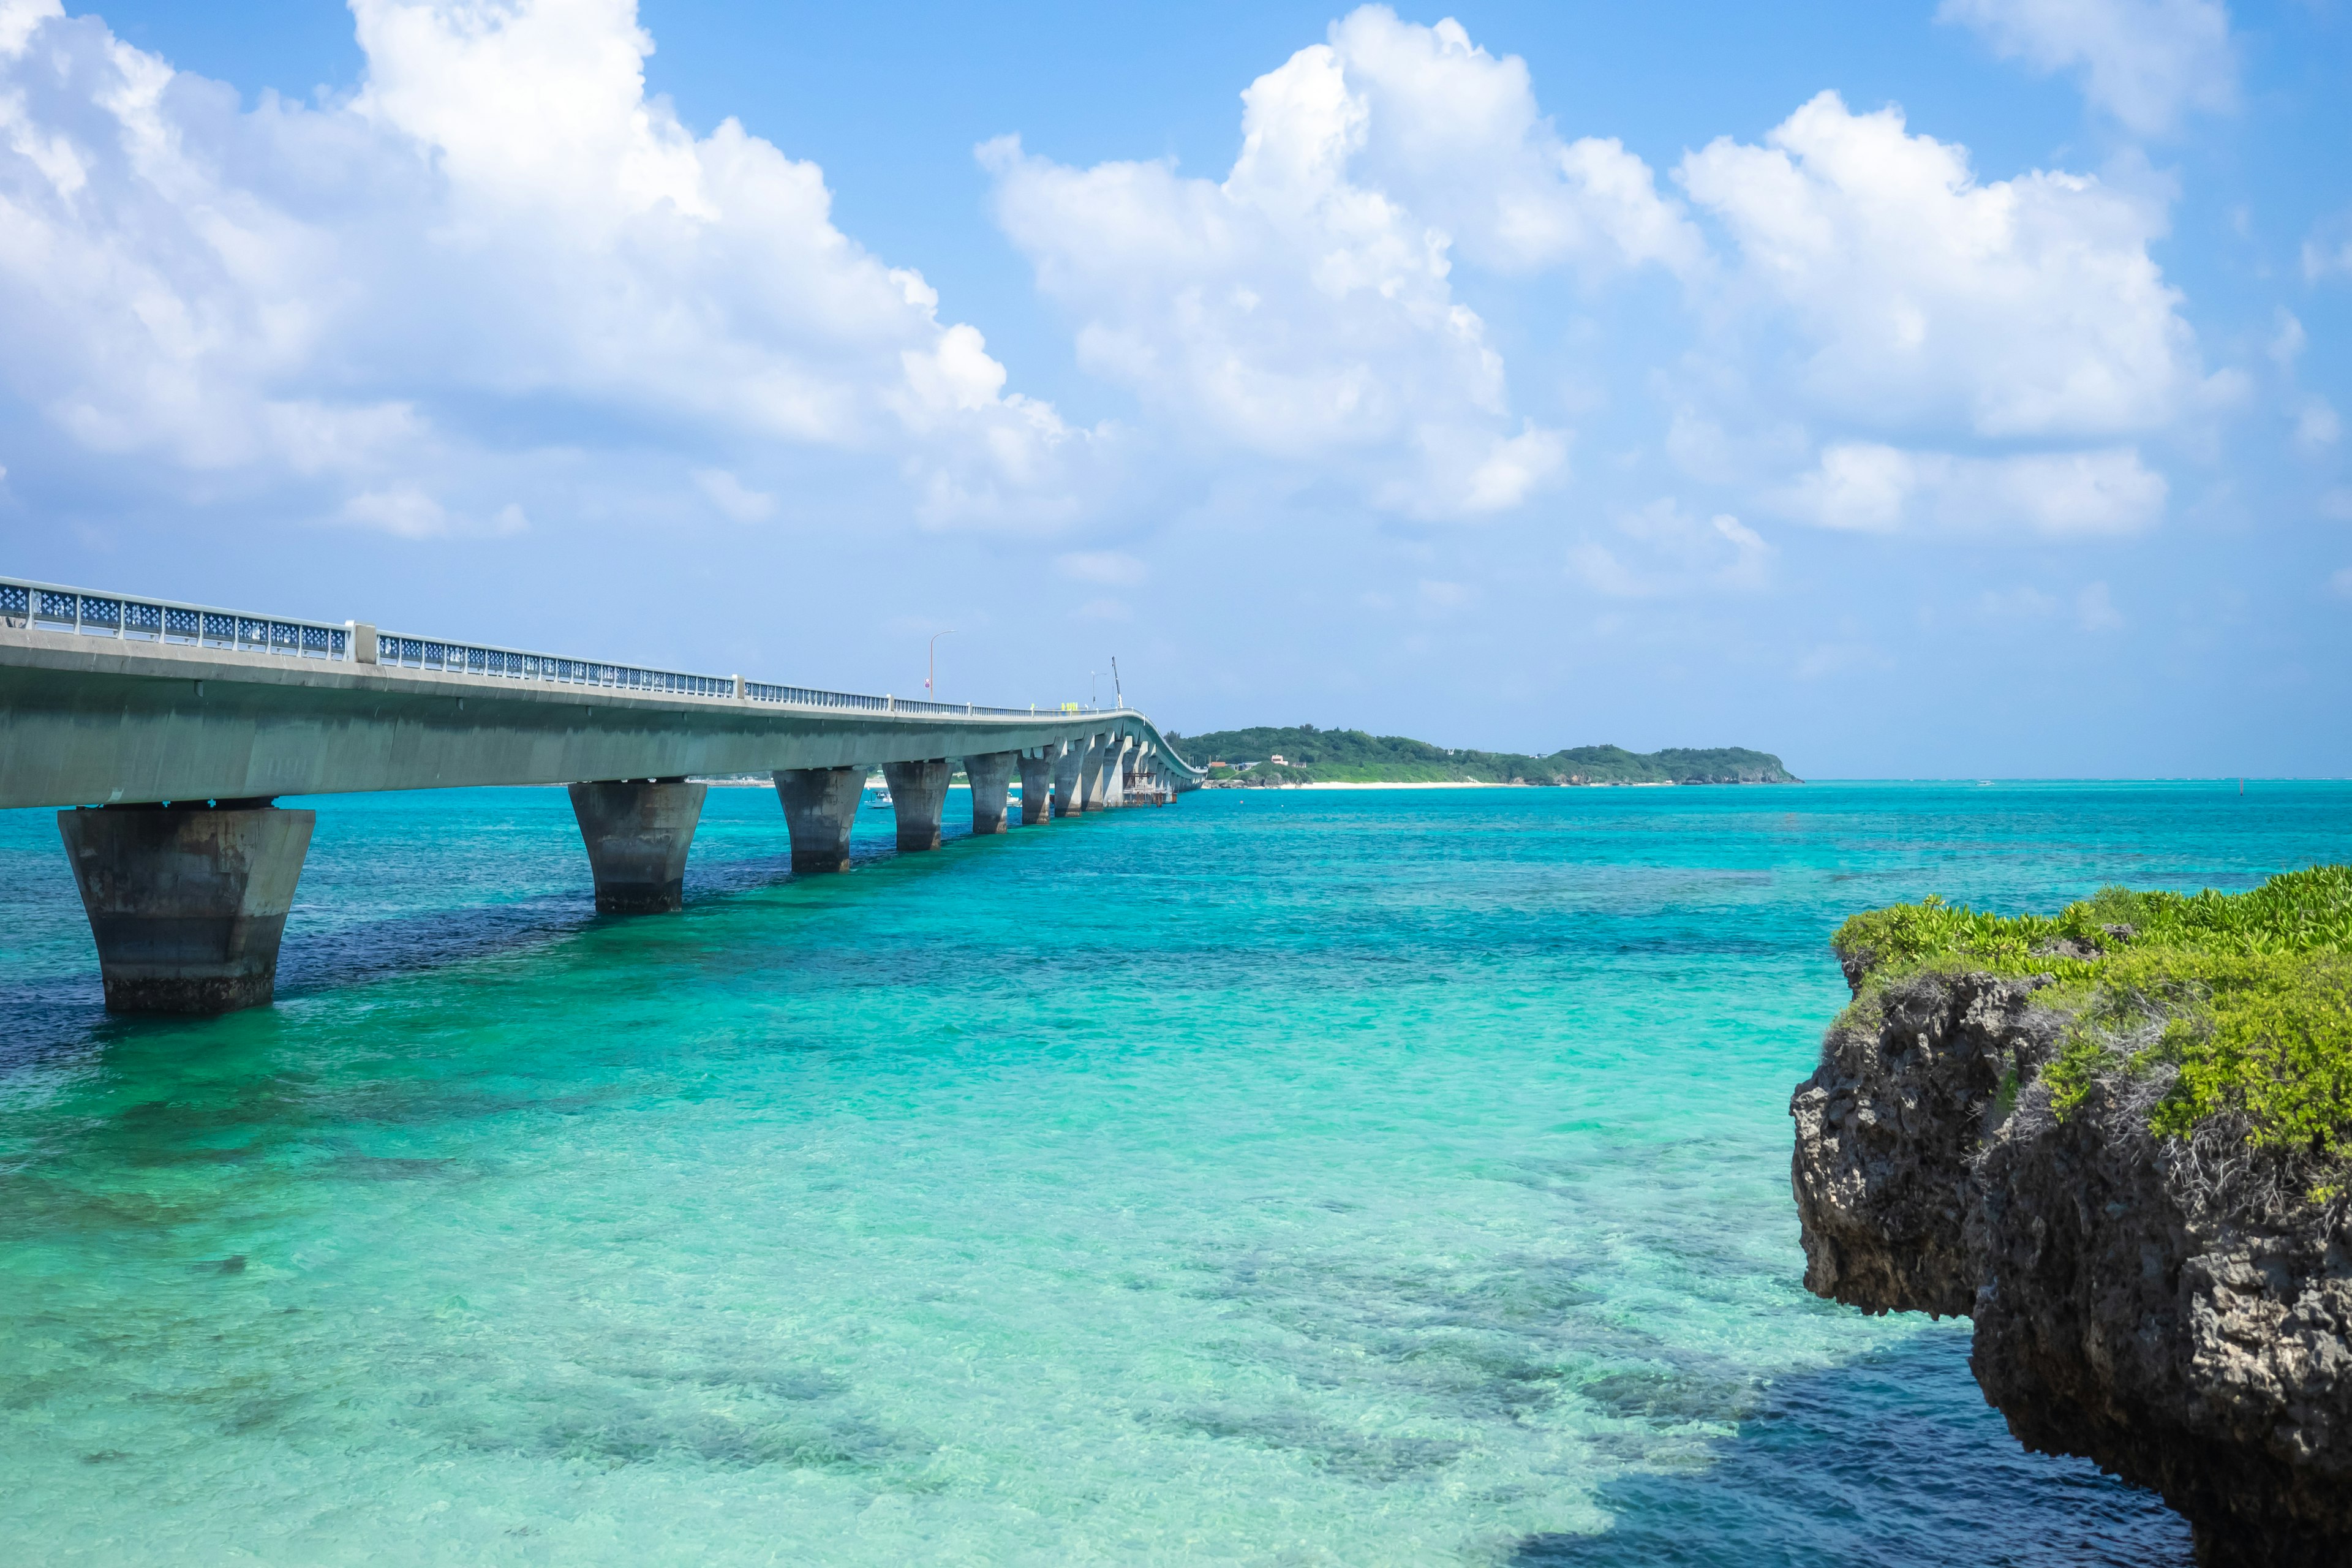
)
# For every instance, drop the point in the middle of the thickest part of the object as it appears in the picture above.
(2244, 999)
(1310, 755)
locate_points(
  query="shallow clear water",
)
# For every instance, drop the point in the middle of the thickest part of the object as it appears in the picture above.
(1331, 1178)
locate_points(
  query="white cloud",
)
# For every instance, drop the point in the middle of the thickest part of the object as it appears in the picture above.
(405, 512)
(1109, 567)
(2286, 344)
(1456, 135)
(2326, 254)
(2145, 62)
(2094, 609)
(1301, 310)
(2316, 426)
(501, 217)
(733, 497)
(1923, 301)
(1872, 488)
(1661, 550)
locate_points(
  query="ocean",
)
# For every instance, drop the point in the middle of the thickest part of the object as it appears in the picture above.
(1279, 1177)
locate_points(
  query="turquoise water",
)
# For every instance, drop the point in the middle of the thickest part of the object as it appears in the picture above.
(1348, 1178)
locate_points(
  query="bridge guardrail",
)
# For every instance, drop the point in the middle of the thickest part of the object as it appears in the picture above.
(45, 607)
(48, 606)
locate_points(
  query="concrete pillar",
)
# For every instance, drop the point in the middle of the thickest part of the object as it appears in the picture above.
(1067, 767)
(918, 793)
(187, 902)
(820, 808)
(637, 832)
(1090, 775)
(991, 775)
(1122, 748)
(1036, 788)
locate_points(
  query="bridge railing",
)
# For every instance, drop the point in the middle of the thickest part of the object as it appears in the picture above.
(45, 606)
(483, 660)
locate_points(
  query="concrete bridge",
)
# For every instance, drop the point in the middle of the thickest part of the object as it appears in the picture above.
(166, 732)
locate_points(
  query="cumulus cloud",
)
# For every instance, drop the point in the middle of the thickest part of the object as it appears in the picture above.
(1661, 550)
(2145, 62)
(1875, 488)
(1922, 298)
(1947, 353)
(499, 217)
(1302, 308)
(405, 512)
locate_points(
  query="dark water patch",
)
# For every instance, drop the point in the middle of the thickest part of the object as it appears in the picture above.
(1892, 1462)
(1369, 1458)
(386, 1168)
(618, 1433)
(1676, 1394)
(354, 952)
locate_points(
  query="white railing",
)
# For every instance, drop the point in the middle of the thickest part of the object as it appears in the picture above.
(45, 606)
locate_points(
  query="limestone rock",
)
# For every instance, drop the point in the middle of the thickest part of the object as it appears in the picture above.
(2178, 1312)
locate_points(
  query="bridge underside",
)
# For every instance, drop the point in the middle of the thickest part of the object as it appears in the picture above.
(188, 900)
(83, 722)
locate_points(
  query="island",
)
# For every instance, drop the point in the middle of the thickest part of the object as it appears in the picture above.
(2120, 1139)
(1272, 756)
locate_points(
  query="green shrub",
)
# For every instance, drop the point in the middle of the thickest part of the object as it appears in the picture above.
(2246, 996)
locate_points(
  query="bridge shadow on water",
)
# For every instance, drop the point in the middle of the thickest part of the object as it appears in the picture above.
(1882, 1463)
(55, 1005)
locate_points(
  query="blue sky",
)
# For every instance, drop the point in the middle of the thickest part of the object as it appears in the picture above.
(1912, 390)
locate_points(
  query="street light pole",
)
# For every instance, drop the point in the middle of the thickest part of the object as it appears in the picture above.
(930, 679)
(1117, 692)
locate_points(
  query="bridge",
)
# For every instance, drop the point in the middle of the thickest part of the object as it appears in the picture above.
(165, 733)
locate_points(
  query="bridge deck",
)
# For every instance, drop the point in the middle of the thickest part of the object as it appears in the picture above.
(97, 719)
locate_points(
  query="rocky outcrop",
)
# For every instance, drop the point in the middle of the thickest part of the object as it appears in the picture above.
(2180, 1312)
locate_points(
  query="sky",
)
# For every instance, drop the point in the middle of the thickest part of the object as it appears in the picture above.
(1948, 389)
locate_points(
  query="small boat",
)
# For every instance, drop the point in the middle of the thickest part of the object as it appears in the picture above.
(879, 795)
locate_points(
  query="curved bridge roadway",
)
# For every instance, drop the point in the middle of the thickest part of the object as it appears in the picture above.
(166, 730)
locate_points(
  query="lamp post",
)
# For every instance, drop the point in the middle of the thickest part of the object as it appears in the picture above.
(931, 678)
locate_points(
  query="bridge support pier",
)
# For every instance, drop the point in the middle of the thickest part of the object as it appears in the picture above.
(637, 832)
(1037, 789)
(820, 809)
(991, 777)
(1090, 775)
(187, 902)
(918, 793)
(1115, 772)
(1067, 767)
